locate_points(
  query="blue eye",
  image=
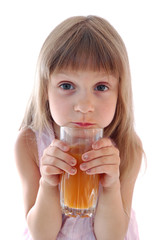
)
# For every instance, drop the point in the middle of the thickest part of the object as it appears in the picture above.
(66, 86)
(101, 87)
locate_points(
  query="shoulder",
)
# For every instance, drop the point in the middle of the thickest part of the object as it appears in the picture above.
(137, 161)
(131, 168)
(26, 158)
(26, 144)
(129, 180)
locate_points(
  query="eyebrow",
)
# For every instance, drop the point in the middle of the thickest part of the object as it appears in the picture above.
(101, 76)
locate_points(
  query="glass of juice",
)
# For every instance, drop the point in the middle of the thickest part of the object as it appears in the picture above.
(79, 192)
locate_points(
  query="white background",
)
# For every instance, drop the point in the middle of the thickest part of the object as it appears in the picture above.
(24, 25)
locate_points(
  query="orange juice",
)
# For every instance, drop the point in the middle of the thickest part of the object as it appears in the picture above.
(79, 192)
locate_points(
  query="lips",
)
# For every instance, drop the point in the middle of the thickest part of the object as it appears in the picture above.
(84, 124)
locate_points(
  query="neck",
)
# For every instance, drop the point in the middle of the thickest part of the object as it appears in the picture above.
(56, 130)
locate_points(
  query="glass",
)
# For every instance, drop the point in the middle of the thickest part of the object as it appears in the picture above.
(79, 192)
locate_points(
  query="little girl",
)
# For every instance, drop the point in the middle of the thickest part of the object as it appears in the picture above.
(83, 80)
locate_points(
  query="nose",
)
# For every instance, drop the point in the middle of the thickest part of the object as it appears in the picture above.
(84, 104)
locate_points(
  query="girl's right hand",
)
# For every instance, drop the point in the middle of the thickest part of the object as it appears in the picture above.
(55, 161)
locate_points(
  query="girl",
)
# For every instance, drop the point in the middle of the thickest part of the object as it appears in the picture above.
(83, 80)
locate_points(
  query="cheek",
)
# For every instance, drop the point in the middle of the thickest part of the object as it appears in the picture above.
(106, 113)
(59, 110)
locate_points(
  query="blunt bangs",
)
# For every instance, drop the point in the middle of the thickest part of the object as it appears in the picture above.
(86, 48)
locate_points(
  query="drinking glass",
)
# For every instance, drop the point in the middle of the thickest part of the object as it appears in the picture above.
(79, 192)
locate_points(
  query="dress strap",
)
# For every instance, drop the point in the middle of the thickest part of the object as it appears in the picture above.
(43, 140)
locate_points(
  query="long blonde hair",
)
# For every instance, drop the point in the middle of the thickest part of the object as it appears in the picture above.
(80, 43)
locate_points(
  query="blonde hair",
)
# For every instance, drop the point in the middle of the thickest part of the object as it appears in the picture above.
(81, 43)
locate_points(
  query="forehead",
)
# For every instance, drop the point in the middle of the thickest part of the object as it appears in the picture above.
(93, 76)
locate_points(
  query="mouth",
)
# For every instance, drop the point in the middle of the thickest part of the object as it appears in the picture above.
(83, 124)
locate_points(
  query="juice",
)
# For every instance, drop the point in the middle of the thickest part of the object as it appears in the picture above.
(79, 192)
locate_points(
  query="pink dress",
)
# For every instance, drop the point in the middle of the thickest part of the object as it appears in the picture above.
(78, 228)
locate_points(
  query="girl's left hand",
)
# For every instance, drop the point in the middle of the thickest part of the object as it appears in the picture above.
(104, 160)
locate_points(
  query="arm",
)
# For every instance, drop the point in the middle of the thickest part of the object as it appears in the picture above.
(40, 189)
(44, 219)
(114, 205)
(111, 220)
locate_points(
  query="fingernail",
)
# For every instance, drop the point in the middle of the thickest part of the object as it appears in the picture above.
(85, 157)
(83, 166)
(65, 148)
(73, 162)
(73, 170)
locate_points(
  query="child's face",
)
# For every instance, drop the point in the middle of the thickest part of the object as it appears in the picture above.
(82, 98)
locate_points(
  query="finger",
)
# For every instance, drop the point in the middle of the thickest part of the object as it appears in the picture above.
(110, 160)
(58, 168)
(52, 180)
(110, 170)
(107, 151)
(103, 142)
(60, 144)
(52, 153)
(50, 170)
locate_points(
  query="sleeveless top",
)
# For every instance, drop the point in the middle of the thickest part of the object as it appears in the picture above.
(77, 228)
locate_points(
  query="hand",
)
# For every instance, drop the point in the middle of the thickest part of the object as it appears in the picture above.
(55, 161)
(104, 160)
